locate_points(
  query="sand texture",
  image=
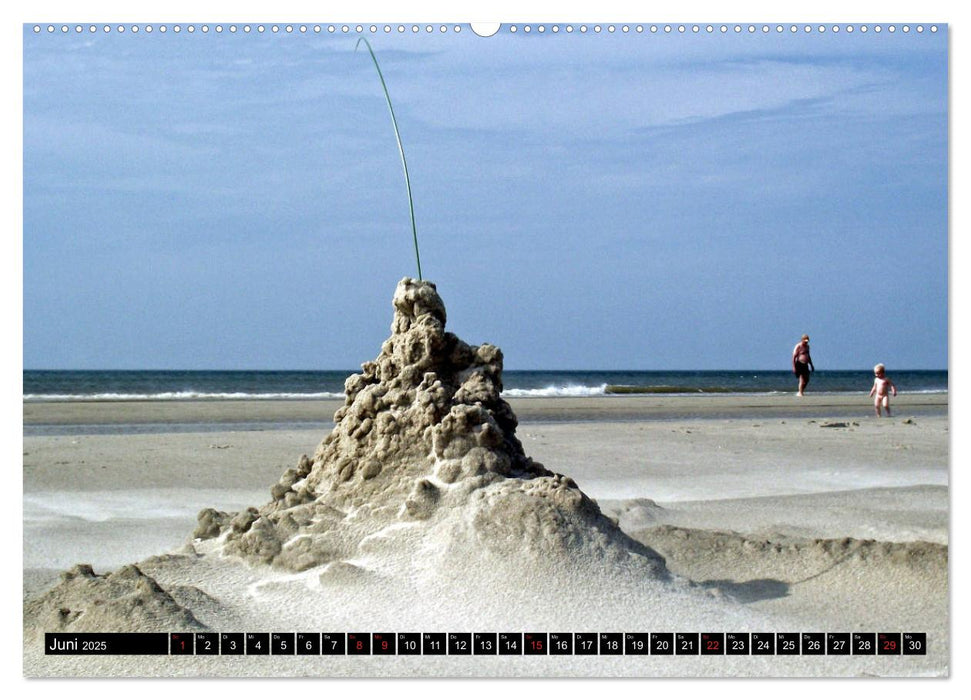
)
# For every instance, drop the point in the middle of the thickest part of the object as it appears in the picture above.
(427, 507)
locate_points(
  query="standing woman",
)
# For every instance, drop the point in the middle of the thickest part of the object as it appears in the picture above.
(802, 363)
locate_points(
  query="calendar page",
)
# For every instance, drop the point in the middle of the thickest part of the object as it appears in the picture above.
(540, 350)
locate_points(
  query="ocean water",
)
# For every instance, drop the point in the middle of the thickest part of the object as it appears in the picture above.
(122, 385)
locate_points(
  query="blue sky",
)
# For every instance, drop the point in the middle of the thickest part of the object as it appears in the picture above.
(583, 201)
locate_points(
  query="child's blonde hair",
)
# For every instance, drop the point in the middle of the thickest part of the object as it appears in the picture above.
(879, 368)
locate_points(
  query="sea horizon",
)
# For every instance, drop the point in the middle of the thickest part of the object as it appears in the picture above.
(147, 384)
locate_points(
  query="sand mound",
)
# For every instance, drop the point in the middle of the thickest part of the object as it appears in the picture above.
(816, 553)
(750, 569)
(424, 463)
(123, 601)
(633, 514)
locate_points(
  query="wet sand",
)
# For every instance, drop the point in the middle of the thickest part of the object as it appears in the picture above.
(103, 413)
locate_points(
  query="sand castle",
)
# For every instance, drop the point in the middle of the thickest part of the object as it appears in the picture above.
(423, 444)
(422, 480)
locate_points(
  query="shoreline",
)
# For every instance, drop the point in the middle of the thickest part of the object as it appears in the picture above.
(281, 412)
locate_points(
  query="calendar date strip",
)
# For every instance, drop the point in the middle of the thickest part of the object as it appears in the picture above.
(488, 643)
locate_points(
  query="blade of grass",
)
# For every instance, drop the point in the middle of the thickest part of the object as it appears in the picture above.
(401, 150)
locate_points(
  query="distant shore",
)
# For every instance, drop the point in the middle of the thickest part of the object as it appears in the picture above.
(282, 412)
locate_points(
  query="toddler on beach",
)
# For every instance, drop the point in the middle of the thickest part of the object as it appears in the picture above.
(882, 388)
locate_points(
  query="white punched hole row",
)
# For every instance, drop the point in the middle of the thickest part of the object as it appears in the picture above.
(247, 28)
(717, 28)
(479, 30)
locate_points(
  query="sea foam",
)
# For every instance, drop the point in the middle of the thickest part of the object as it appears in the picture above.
(570, 390)
(185, 396)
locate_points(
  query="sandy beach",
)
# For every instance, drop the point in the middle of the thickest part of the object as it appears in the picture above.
(787, 514)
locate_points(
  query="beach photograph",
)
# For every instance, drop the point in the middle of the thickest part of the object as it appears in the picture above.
(527, 350)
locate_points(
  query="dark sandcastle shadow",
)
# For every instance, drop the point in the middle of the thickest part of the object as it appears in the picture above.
(756, 590)
(801, 560)
(748, 591)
